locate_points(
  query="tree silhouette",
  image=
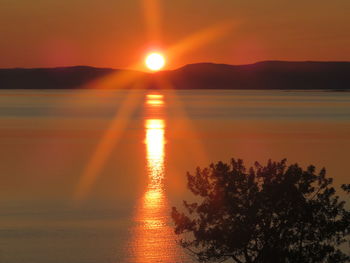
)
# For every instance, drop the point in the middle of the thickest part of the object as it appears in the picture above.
(271, 213)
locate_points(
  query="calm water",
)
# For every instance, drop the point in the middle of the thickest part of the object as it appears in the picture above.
(90, 176)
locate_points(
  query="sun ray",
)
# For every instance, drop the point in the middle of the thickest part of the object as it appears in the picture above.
(106, 145)
(199, 38)
(117, 80)
(152, 13)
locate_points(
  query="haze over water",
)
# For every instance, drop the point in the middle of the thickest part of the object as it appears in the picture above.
(47, 138)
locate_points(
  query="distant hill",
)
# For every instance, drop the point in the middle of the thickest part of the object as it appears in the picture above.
(261, 75)
(54, 78)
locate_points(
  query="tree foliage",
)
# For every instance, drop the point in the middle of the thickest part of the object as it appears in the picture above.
(273, 213)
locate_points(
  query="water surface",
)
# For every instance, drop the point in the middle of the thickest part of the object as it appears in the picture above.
(91, 175)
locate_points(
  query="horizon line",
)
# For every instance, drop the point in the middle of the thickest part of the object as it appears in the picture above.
(165, 70)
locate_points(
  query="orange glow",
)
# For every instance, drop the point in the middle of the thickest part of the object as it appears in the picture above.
(155, 61)
(169, 20)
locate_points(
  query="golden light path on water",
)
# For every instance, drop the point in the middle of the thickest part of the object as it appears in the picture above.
(153, 239)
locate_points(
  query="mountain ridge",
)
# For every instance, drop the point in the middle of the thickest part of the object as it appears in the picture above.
(270, 74)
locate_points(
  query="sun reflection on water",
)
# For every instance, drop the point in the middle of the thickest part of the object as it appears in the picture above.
(155, 152)
(153, 237)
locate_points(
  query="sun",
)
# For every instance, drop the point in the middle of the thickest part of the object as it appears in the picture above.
(155, 61)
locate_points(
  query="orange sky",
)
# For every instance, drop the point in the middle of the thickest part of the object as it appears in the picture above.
(115, 33)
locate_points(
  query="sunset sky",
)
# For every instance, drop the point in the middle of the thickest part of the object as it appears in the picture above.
(115, 33)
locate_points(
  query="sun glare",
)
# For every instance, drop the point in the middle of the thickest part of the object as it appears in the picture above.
(155, 61)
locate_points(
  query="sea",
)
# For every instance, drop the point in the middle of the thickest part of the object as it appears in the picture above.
(91, 176)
